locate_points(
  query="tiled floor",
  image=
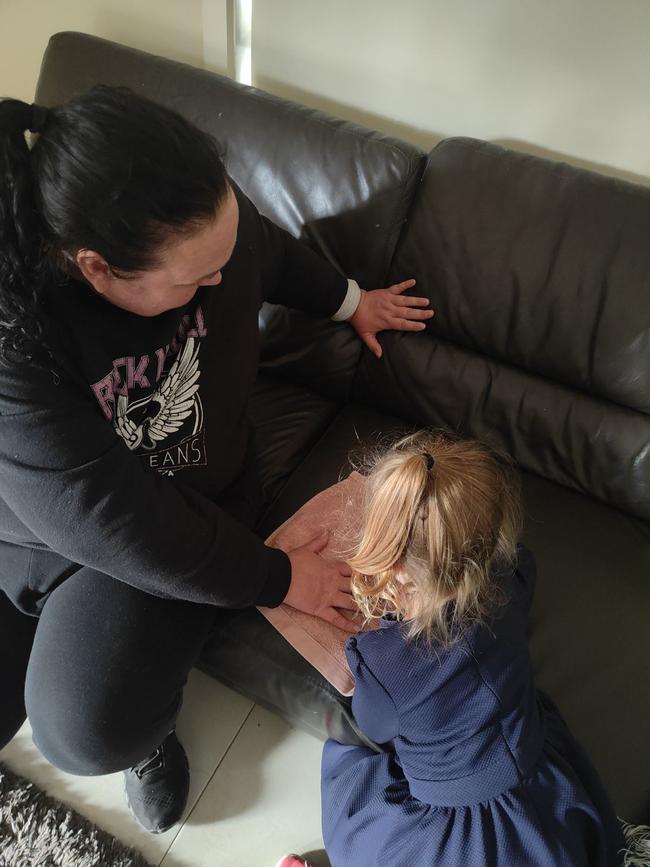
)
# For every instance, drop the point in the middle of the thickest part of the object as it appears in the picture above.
(254, 794)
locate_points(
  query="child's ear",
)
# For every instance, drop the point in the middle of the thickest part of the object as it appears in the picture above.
(399, 572)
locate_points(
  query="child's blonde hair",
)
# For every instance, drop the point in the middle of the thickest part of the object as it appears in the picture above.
(440, 515)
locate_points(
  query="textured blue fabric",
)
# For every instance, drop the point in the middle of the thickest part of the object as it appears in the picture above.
(480, 768)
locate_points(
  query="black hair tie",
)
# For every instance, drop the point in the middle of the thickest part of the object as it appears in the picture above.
(430, 461)
(40, 117)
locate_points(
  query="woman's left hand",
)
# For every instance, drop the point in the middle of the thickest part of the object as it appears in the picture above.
(380, 309)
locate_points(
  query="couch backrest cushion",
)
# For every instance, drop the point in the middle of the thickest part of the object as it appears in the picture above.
(538, 264)
(540, 276)
(342, 188)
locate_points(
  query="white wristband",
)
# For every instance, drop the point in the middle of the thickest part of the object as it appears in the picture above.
(350, 302)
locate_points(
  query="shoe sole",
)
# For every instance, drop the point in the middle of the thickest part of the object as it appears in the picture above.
(135, 818)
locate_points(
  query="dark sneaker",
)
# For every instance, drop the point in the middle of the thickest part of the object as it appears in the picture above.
(156, 788)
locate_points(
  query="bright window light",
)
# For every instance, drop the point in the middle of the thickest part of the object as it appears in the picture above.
(243, 29)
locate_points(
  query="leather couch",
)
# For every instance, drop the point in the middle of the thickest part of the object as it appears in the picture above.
(540, 276)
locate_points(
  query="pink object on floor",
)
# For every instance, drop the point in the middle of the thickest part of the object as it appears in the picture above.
(292, 861)
(321, 643)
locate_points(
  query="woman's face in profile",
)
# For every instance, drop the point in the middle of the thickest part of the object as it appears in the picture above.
(185, 264)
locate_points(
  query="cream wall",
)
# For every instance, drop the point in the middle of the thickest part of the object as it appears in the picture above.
(173, 28)
(566, 77)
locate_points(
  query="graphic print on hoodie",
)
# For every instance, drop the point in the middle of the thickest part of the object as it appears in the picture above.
(165, 427)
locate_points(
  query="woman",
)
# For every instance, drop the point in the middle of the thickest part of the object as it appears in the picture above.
(132, 270)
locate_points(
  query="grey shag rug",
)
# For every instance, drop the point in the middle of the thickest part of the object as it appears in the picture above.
(39, 831)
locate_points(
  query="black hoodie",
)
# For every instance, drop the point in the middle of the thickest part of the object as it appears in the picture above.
(116, 460)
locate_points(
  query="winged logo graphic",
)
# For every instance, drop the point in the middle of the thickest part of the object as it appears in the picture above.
(170, 405)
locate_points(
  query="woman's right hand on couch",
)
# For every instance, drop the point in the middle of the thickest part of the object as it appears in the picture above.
(320, 586)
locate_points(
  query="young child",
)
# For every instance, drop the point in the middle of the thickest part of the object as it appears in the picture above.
(480, 769)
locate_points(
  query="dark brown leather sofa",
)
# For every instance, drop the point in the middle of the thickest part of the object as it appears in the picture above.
(540, 276)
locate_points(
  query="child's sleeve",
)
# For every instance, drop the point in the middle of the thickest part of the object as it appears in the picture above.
(372, 706)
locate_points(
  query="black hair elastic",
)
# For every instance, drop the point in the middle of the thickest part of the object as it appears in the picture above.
(40, 117)
(430, 461)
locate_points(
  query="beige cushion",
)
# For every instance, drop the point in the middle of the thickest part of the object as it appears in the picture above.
(321, 643)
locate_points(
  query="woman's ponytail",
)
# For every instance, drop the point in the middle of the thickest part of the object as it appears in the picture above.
(111, 172)
(21, 241)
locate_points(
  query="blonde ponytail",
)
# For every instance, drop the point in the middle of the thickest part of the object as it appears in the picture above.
(440, 515)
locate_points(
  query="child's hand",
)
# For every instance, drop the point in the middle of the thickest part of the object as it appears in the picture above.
(380, 309)
(320, 586)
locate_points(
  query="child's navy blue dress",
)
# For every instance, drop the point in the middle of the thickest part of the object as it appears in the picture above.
(484, 771)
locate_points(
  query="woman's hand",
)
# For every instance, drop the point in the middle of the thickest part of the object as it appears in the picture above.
(380, 309)
(320, 586)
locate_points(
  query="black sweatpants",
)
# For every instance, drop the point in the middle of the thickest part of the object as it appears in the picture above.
(101, 671)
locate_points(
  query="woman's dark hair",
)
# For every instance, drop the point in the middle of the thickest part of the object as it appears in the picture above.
(111, 172)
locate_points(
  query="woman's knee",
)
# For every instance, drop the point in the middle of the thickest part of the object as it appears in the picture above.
(104, 683)
(86, 741)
